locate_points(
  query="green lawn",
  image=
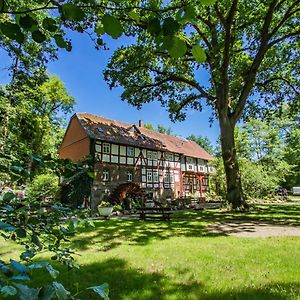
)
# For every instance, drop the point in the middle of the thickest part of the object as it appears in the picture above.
(181, 260)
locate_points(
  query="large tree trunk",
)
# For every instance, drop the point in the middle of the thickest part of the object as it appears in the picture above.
(234, 187)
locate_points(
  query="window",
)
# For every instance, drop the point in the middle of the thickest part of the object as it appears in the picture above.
(106, 148)
(155, 176)
(105, 175)
(149, 154)
(129, 175)
(154, 155)
(167, 177)
(189, 160)
(169, 156)
(130, 151)
(149, 176)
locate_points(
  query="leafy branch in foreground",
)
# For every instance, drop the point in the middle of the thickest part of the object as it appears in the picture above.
(36, 227)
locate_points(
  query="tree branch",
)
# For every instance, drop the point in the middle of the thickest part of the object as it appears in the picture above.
(274, 42)
(251, 74)
(226, 54)
(282, 79)
(286, 16)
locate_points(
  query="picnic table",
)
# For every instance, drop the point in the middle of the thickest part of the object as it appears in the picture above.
(161, 213)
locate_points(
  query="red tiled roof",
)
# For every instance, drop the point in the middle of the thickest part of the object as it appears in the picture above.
(104, 129)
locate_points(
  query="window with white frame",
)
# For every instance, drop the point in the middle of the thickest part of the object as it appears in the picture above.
(149, 176)
(155, 176)
(105, 175)
(169, 156)
(189, 160)
(167, 177)
(149, 155)
(154, 155)
(130, 151)
(106, 148)
(129, 175)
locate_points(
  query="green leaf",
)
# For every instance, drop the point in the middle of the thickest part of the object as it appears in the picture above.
(99, 29)
(190, 14)
(153, 26)
(49, 24)
(9, 196)
(72, 12)
(35, 239)
(47, 293)
(112, 26)
(27, 22)
(102, 290)
(53, 273)
(208, 2)
(12, 31)
(59, 40)
(3, 6)
(38, 36)
(134, 15)
(198, 54)
(21, 278)
(6, 227)
(19, 267)
(21, 233)
(170, 26)
(8, 290)
(27, 254)
(176, 47)
(26, 293)
(61, 292)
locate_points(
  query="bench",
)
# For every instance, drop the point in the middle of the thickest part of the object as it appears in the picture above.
(161, 213)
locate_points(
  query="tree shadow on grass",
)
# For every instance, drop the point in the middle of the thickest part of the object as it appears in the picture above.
(109, 234)
(128, 283)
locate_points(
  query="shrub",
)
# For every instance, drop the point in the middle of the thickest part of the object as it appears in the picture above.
(44, 187)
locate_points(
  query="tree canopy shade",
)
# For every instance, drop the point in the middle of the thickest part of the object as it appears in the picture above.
(250, 49)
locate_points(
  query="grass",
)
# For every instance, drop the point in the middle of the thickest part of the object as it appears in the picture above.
(182, 260)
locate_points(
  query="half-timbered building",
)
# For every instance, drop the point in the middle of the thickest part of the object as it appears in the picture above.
(163, 165)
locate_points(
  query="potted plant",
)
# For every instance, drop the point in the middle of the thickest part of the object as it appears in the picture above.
(105, 208)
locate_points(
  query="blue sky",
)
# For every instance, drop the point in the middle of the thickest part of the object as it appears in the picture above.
(81, 71)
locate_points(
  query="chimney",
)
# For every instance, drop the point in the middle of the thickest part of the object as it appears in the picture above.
(141, 123)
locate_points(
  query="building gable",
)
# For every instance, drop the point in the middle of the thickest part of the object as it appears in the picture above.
(76, 143)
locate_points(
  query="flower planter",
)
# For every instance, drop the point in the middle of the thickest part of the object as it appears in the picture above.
(105, 211)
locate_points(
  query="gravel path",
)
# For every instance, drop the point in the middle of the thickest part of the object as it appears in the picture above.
(253, 229)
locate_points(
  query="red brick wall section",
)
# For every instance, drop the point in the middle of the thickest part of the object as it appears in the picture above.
(76, 143)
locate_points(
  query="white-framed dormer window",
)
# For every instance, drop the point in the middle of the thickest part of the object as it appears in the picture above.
(130, 151)
(105, 175)
(106, 148)
(129, 176)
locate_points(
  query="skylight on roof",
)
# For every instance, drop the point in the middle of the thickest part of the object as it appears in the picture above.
(181, 138)
(100, 130)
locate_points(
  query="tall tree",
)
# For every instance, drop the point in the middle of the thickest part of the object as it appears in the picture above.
(249, 49)
(32, 117)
